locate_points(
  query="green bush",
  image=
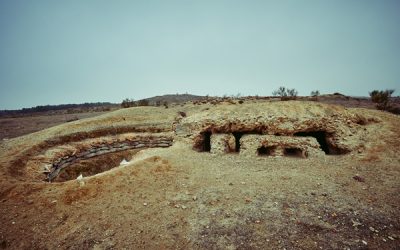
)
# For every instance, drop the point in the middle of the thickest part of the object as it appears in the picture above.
(382, 98)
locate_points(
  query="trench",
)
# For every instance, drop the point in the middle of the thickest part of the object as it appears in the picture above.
(95, 165)
(101, 157)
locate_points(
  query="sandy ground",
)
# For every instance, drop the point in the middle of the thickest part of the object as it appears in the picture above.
(177, 198)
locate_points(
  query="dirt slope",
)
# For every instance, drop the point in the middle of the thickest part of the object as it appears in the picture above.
(179, 198)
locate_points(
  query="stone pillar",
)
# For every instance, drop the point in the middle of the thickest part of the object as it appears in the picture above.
(222, 143)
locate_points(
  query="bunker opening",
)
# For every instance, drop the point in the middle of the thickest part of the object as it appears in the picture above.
(206, 142)
(266, 150)
(237, 136)
(293, 152)
(322, 139)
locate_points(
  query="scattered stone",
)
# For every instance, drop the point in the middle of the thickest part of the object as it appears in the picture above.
(145, 204)
(194, 198)
(390, 238)
(80, 180)
(183, 207)
(356, 223)
(124, 162)
(359, 178)
(364, 242)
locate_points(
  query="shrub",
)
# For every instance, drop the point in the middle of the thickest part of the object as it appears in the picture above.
(382, 98)
(315, 93)
(127, 103)
(143, 102)
(285, 94)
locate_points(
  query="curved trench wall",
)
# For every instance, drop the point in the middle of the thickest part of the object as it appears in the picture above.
(67, 155)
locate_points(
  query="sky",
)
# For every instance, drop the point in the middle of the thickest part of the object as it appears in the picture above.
(74, 51)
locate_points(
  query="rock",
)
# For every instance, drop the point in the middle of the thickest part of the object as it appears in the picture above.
(359, 178)
(123, 162)
(356, 223)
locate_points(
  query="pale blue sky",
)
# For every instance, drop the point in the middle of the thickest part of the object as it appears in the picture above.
(54, 52)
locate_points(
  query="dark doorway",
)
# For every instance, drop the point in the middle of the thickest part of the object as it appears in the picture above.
(293, 152)
(206, 147)
(266, 151)
(237, 136)
(321, 139)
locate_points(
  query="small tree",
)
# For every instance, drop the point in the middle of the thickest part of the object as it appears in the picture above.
(292, 93)
(127, 103)
(381, 98)
(315, 93)
(286, 94)
(280, 92)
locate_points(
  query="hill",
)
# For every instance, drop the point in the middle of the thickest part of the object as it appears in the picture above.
(226, 174)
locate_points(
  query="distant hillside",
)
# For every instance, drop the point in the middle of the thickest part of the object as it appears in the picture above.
(177, 98)
(61, 108)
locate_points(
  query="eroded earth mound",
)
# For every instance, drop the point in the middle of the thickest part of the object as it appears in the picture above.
(254, 175)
